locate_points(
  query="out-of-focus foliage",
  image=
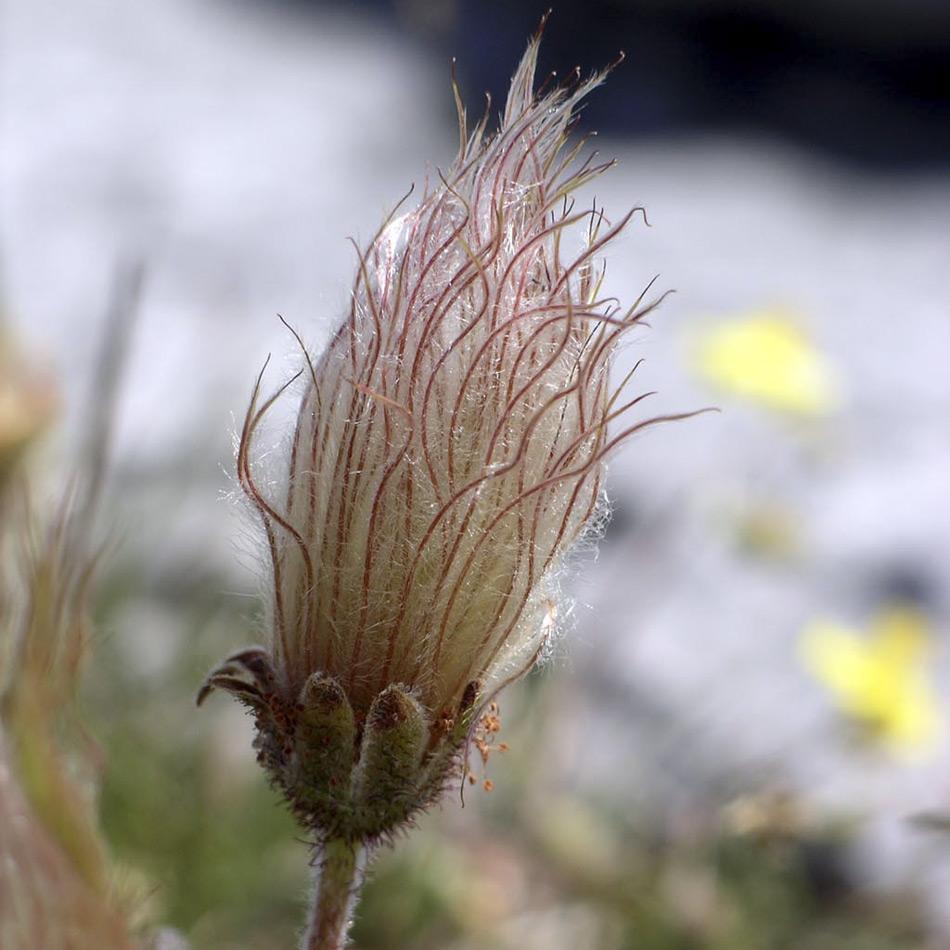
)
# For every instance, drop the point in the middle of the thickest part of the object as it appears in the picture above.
(57, 886)
(569, 878)
(184, 802)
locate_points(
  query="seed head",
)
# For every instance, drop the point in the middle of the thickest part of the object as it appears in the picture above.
(448, 450)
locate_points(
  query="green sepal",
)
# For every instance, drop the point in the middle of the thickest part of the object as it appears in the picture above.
(390, 772)
(324, 746)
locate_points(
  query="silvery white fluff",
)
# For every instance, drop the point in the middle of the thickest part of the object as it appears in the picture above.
(448, 450)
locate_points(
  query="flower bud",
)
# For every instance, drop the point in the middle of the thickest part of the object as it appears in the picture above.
(448, 451)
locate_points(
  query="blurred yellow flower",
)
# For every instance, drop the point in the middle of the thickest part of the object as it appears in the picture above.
(767, 358)
(880, 678)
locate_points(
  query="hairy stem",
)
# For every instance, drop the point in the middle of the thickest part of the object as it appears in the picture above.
(337, 879)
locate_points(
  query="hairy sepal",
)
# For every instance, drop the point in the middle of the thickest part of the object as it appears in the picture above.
(343, 779)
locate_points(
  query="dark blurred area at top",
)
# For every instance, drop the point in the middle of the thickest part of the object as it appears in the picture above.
(867, 81)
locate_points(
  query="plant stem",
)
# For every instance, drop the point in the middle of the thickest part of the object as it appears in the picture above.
(337, 879)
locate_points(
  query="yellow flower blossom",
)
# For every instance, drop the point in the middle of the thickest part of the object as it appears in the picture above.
(767, 358)
(880, 678)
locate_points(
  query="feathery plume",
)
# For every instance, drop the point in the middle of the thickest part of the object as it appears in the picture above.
(448, 451)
